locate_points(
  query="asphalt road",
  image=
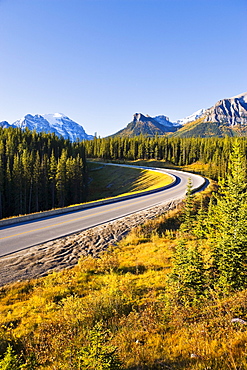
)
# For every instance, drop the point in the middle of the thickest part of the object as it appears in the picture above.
(23, 235)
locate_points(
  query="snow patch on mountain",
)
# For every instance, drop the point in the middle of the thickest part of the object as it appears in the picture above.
(57, 123)
(164, 120)
(242, 97)
(192, 117)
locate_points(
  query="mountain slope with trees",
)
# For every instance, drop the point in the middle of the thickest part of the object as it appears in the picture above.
(145, 125)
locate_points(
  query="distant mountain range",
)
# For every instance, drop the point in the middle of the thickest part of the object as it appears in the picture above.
(57, 123)
(228, 117)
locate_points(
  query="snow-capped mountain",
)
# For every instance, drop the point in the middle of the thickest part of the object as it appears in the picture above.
(56, 123)
(192, 117)
(164, 120)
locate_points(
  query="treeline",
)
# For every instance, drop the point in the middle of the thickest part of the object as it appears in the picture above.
(178, 151)
(39, 171)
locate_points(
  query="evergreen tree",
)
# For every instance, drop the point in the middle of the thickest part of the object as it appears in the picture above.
(187, 280)
(61, 178)
(1, 178)
(188, 217)
(36, 182)
(27, 163)
(18, 185)
(230, 218)
(99, 354)
(52, 177)
(10, 360)
(200, 226)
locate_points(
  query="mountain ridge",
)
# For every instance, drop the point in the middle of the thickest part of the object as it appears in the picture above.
(56, 123)
(231, 110)
(228, 117)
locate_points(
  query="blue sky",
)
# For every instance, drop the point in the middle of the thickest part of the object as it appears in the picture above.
(101, 61)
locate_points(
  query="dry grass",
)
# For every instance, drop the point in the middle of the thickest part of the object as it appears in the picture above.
(126, 288)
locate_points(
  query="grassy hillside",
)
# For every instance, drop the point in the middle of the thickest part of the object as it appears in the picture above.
(199, 128)
(108, 181)
(204, 169)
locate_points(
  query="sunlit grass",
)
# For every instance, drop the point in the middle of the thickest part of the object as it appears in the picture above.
(126, 287)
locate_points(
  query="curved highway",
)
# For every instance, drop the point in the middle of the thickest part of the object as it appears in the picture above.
(26, 234)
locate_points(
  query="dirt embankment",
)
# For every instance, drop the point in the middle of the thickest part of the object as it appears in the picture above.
(65, 252)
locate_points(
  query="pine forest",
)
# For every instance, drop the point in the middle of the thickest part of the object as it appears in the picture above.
(177, 151)
(39, 172)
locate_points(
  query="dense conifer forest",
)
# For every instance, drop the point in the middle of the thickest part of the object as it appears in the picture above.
(39, 171)
(177, 151)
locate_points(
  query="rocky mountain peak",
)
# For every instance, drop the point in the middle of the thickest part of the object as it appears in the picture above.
(140, 117)
(232, 111)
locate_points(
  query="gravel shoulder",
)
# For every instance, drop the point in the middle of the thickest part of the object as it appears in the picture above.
(65, 252)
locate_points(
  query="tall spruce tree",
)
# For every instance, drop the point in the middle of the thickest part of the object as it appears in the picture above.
(187, 280)
(230, 216)
(188, 216)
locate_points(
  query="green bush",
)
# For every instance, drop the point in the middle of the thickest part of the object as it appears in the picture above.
(10, 360)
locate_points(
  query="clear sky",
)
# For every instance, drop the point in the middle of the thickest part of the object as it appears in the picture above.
(101, 61)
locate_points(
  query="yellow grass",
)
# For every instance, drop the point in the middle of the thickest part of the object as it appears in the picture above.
(126, 288)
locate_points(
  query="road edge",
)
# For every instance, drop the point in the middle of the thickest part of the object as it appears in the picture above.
(36, 216)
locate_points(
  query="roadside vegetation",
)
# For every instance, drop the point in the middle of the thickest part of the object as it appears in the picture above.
(171, 295)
